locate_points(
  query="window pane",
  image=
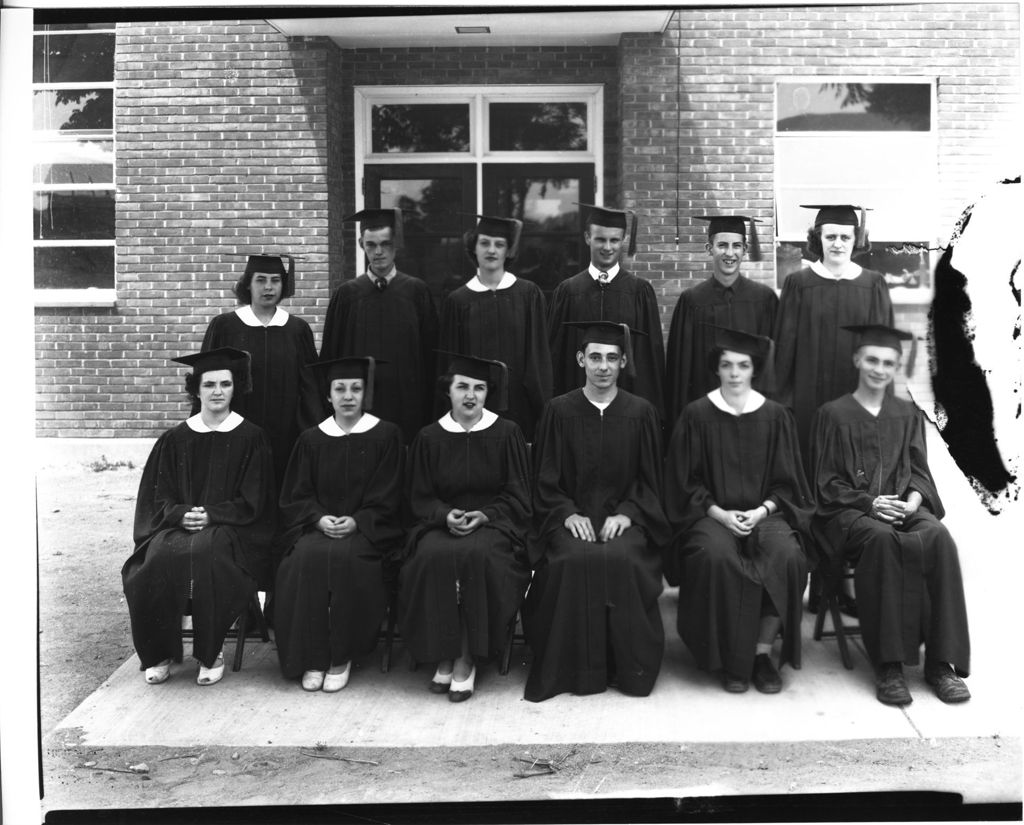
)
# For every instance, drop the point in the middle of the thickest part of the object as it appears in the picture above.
(61, 109)
(533, 127)
(854, 107)
(73, 58)
(420, 127)
(74, 267)
(74, 215)
(550, 247)
(75, 161)
(905, 264)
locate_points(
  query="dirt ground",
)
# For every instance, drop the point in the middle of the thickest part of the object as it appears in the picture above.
(85, 526)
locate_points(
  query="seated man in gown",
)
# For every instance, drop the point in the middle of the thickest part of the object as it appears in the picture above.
(591, 614)
(878, 506)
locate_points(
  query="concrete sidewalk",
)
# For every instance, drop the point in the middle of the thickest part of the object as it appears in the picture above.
(821, 705)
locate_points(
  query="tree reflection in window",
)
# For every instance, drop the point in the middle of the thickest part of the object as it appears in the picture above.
(854, 107)
(420, 127)
(536, 127)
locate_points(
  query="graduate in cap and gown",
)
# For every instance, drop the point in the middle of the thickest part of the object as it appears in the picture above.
(740, 509)
(501, 317)
(726, 299)
(879, 511)
(466, 568)
(340, 512)
(284, 399)
(390, 316)
(604, 291)
(591, 615)
(812, 348)
(203, 523)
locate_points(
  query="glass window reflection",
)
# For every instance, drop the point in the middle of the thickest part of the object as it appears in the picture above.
(420, 127)
(854, 107)
(535, 127)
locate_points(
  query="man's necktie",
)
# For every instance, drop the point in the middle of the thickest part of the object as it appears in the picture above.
(380, 283)
(602, 279)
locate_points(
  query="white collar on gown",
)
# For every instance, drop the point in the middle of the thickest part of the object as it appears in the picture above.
(595, 273)
(330, 427)
(754, 402)
(449, 424)
(196, 423)
(476, 285)
(249, 318)
(850, 272)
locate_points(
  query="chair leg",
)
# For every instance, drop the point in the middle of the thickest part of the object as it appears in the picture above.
(506, 654)
(819, 620)
(243, 623)
(840, 631)
(389, 638)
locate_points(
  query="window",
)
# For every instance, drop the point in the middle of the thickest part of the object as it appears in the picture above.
(444, 154)
(869, 142)
(73, 161)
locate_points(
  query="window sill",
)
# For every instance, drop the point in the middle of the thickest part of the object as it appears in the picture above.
(58, 298)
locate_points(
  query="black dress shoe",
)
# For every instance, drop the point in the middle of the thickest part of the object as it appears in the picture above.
(734, 684)
(766, 678)
(890, 686)
(949, 687)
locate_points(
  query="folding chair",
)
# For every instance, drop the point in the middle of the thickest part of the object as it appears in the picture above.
(833, 571)
(241, 629)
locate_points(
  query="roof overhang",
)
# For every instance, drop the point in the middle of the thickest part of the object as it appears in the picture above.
(543, 28)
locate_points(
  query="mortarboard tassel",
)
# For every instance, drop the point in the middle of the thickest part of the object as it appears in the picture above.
(862, 230)
(631, 251)
(911, 357)
(754, 246)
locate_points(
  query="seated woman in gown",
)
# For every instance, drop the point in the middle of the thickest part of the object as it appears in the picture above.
(739, 504)
(203, 523)
(340, 502)
(467, 570)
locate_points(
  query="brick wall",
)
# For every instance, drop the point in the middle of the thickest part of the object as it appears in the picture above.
(478, 66)
(222, 146)
(728, 60)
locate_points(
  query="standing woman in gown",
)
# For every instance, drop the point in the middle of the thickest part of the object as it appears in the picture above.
(739, 505)
(503, 318)
(284, 400)
(203, 523)
(466, 571)
(340, 502)
(812, 358)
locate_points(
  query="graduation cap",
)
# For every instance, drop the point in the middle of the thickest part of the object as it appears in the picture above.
(481, 369)
(608, 332)
(222, 358)
(737, 225)
(347, 367)
(270, 263)
(880, 335)
(842, 214)
(756, 346)
(381, 219)
(613, 218)
(508, 228)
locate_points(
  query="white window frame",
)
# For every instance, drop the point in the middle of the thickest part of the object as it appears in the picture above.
(478, 97)
(929, 142)
(92, 296)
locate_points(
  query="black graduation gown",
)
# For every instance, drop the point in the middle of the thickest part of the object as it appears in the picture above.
(399, 325)
(592, 609)
(813, 354)
(486, 470)
(506, 325)
(746, 305)
(737, 462)
(285, 399)
(230, 474)
(330, 594)
(627, 299)
(908, 580)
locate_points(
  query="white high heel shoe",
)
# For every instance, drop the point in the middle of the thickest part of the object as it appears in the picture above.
(461, 691)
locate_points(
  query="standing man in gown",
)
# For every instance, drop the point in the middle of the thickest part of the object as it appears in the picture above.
(604, 291)
(726, 299)
(389, 316)
(879, 508)
(591, 615)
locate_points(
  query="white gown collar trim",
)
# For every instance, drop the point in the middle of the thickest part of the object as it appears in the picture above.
(330, 427)
(595, 273)
(196, 423)
(476, 285)
(851, 271)
(449, 424)
(389, 277)
(754, 402)
(248, 317)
